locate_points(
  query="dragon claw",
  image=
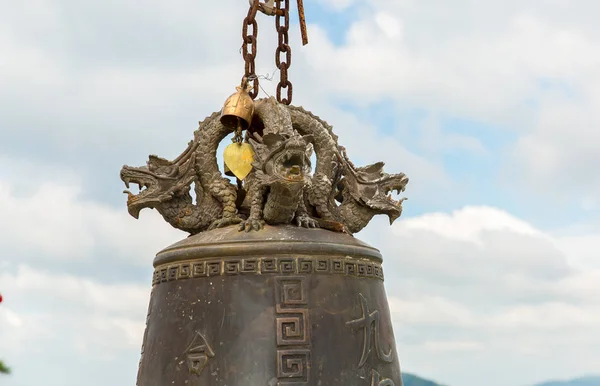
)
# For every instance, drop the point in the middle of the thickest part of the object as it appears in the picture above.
(225, 222)
(250, 224)
(306, 222)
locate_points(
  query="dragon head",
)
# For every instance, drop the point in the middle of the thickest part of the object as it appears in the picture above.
(158, 181)
(370, 186)
(283, 159)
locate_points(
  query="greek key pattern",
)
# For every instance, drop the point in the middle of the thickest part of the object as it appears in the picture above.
(272, 265)
(293, 331)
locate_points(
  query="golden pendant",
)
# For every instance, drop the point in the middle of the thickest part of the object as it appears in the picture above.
(238, 158)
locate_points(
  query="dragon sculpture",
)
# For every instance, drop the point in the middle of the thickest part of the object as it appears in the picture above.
(280, 189)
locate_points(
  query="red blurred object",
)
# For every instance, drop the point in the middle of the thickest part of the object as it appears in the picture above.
(0, 298)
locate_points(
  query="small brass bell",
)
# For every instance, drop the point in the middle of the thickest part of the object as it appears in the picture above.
(238, 108)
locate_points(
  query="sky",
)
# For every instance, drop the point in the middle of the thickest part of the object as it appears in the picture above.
(492, 109)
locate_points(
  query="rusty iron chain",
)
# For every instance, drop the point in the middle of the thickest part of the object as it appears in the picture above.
(283, 54)
(280, 9)
(249, 47)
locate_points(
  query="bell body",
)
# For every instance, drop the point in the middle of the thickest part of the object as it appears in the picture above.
(282, 306)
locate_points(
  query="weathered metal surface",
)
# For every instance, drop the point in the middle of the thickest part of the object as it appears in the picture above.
(239, 106)
(281, 188)
(284, 306)
(271, 288)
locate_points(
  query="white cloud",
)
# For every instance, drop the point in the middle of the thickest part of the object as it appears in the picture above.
(77, 292)
(77, 323)
(52, 221)
(482, 61)
(467, 224)
(140, 100)
(477, 286)
(581, 250)
(528, 68)
(461, 286)
(429, 310)
(453, 346)
(389, 25)
(337, 5)
(12, 318)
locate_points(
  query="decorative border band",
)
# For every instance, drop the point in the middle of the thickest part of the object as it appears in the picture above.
(267, 265)
(293, 331)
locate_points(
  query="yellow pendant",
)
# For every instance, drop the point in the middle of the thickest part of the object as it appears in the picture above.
(238, 158)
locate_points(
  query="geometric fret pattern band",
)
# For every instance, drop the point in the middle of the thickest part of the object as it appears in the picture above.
(293, 331)
(270, 265)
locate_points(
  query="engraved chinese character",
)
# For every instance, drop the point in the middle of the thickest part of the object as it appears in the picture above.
(369, 321)
(198, 353)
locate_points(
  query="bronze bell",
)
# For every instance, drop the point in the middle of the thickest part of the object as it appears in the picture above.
(238, 108)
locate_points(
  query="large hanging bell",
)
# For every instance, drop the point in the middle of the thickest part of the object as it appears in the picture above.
(238, 108)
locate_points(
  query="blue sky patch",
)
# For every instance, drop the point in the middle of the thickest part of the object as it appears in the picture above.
(335, 23)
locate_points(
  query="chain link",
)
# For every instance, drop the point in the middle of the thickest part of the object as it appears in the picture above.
(283, 54)
(249, 47)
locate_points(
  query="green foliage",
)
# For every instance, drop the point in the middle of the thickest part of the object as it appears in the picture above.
(4, 369)
(586, 381)
(413, 380)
